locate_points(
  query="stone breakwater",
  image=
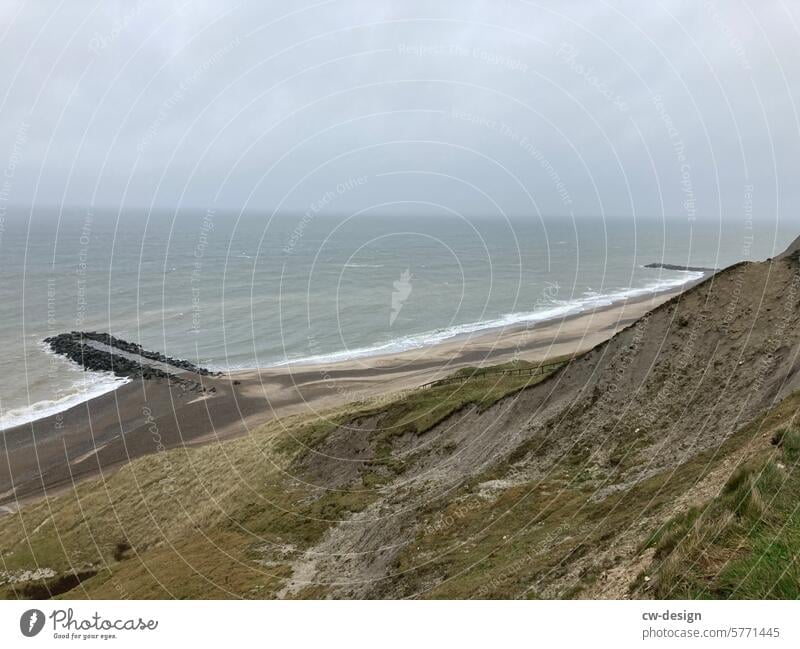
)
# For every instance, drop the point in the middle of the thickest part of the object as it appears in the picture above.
(694, 269)
(103, 352)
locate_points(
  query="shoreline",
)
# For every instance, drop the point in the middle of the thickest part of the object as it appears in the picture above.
(492, 343)
(515, 321)
(520, 321)
(481, 332)
(146, 416)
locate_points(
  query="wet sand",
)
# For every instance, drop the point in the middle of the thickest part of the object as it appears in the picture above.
(145, 416)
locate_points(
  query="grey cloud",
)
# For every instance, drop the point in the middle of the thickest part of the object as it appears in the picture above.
(668, 107)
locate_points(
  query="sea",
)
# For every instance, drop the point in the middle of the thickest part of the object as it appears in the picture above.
(231, 290)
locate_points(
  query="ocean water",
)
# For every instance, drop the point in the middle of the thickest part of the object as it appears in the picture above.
(230, 290)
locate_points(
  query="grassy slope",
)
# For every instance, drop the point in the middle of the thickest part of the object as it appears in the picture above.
(549, 539)
(199, 523)
(225, 521)
(744, 543)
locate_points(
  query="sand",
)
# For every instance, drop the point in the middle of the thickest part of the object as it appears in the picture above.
(143, 417)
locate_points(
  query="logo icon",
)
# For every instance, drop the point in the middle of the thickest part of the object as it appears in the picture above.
(31, 622)
(402, 289)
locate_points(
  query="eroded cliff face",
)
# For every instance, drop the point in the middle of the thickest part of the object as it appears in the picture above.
(671, 388)
(549, 491)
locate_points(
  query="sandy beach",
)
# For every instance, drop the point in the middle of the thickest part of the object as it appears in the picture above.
(146, 416)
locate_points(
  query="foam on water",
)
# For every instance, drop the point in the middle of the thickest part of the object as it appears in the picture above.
(590, 300)
(92, 385)
(330, 297)
(71, 384)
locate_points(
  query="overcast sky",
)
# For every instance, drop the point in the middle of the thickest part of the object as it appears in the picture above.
(588, 108)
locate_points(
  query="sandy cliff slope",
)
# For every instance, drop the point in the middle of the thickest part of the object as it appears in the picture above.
(487, 488)
(673, 386)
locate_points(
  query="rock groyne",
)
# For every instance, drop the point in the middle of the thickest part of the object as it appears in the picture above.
(694, 269)
(103, 352)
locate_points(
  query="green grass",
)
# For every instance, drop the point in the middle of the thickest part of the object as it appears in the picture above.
(418, 411)
(745, 543)
(523, 542)
(510, 366)
(669, 535)
(423, 409)
(213, 514)
(517, 364)
(426, 408)
(227, 520)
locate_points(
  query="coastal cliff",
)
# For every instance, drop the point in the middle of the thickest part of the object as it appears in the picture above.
(600, 478)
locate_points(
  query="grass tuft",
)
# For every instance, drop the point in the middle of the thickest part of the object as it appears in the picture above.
(745, 544)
